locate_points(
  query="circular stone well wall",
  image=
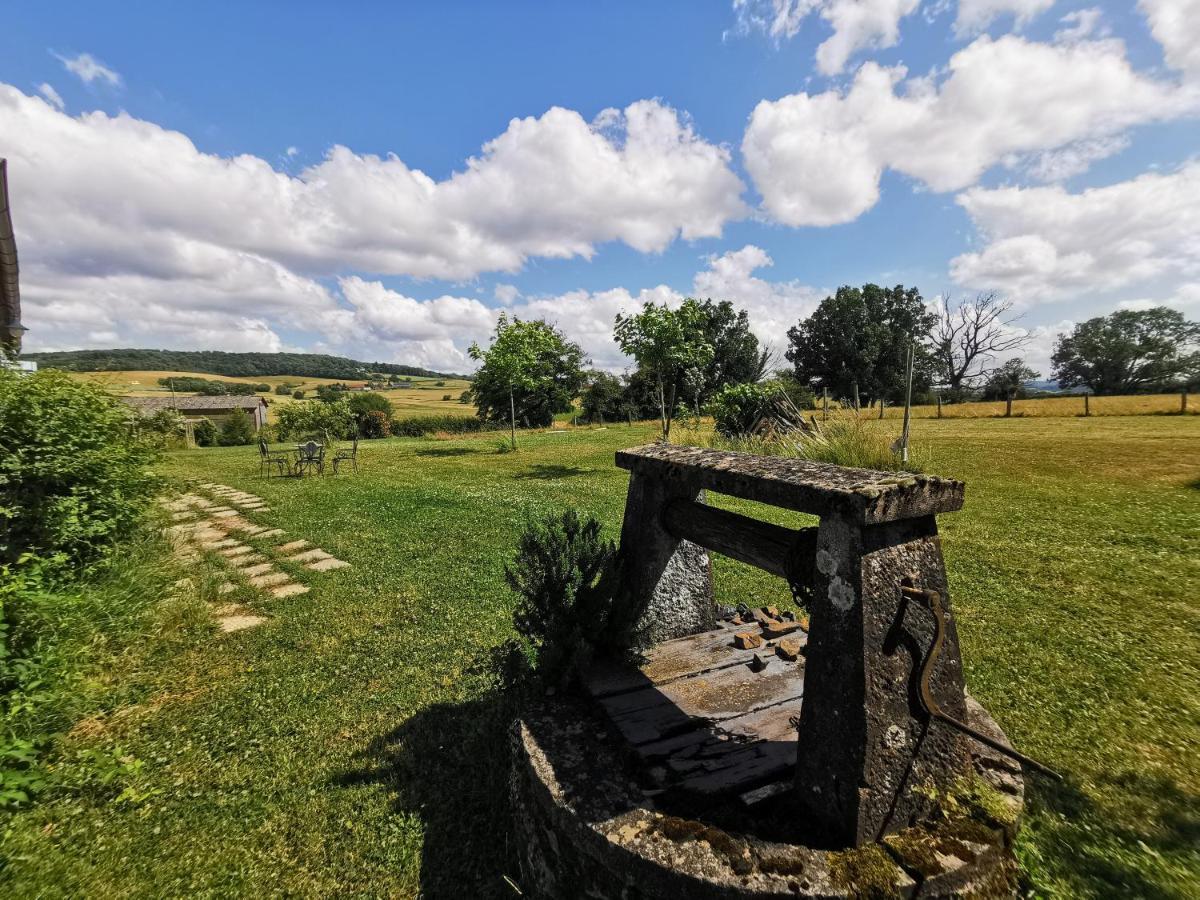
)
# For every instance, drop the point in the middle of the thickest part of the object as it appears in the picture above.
(585, 829)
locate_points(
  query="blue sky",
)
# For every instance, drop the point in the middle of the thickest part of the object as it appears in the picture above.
(175, 183)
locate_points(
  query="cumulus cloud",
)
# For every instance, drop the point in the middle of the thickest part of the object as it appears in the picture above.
(53, 96)
(1082, 24)
(857, 24)
(1175, 24)
(976, 15)
(818, 159)
(1074, 159)
(132, 214)
(1045, 243)
(90, 69)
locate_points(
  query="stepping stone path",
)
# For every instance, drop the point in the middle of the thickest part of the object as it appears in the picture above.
(199, 523)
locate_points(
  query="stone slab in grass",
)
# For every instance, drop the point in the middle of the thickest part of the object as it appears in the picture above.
(237, 550)
(288, 590)
(218, 545)
(252, 529)
(271, 532)
(226, 587)
(207, 534)
(270, 579)
(239, 622)
(182, 516)
(292, 545)
(223, 513)
(324, 565)
(249, 559)
(309, 556)
(258, 569)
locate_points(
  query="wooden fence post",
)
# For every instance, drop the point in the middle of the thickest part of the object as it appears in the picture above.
(939, 399)
(1183, 400)
(1086, 408)
(825, 402)
(856, 407)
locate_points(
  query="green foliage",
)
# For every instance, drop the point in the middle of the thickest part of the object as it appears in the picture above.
(216, 362)
(422, 426)
(297, 394)
(603, 399)
(363, 404)
(210, 388)
(529, 373)
(1008, 382)
(565, 599)
(284, 389)
(1129, 351)
(799, 395)
(330, 393)
(845, 441)
(862, 336)
(375, 424)
(163, 428)
(237, 430)
(736, 357)
(326, 422)
(669, 346)
(205, 433)
(73, 471)
(737, 408)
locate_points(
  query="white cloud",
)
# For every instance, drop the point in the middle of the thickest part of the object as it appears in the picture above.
(48, 91)
(90, 69)
(818, 159)
(857, 24)
(1175, 24)
(1045, 243)
(976, 15)
(134, 215)
(1081, 25)
(1075, 159)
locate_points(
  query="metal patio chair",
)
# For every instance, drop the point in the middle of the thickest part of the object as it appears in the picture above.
(345, 454)
(269, 459)
(309, 456)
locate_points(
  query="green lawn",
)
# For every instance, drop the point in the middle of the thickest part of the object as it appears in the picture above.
(354, 744)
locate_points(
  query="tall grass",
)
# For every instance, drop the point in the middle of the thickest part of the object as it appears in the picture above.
(844, 441)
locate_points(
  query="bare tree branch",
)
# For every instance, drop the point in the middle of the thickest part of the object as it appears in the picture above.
(970, 334)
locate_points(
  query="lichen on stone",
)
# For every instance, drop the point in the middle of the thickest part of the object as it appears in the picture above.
(866, 871)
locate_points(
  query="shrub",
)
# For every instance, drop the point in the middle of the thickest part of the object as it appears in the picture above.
(465, 397)
(375, 424)
(263, 388)
(283, 389)
(565, 599)
(363, 404)
(205, 433)
(163, 428)
(844, 441)
(297, 395)
(237, 430)
(439, 384)
(73, 472)
(320, 421)
(420, 426)
(737, 408)
(446, 396)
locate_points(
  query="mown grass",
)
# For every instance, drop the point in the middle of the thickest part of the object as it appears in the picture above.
(355, 744)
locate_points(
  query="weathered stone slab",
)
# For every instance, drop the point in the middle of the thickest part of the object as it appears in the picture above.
(325, 565)
(862, 495)
(288, 590)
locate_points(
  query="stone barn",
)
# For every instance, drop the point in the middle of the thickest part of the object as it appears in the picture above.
(217, 409)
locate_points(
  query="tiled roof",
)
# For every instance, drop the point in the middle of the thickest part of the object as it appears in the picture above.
(226, 401)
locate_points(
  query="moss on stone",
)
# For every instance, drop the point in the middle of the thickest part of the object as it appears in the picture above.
(867, 871)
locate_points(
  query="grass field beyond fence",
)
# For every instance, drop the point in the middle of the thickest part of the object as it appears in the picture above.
(355, 744)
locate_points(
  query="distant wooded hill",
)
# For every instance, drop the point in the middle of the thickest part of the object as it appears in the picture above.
(216, 362)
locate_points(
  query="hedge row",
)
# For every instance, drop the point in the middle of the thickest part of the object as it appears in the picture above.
(420, 426)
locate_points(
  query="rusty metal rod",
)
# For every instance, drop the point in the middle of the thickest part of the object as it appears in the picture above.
(934, 599)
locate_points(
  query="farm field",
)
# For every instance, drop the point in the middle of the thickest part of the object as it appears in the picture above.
(355, 743)
(423, 398)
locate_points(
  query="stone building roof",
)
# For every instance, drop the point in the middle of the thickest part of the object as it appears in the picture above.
(225, 401)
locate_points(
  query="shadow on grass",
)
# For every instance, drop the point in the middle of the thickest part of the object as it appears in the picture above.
(1168, 816)
(446, 451)
(449, 766)
(552, 471)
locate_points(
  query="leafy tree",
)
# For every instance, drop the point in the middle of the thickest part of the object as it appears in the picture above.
(284, 389)
(1129, 351)
(667, 344)
(73, 473)
(1008, 381)
(375, 424)
(297, 394)
(237, 430)
(367, 402)
(320, 421)
(968, 335)
(737, 408)
(604, 398)
(205, 433)
(529, 372)
(330, 393)
(860, 337)
(736, 357)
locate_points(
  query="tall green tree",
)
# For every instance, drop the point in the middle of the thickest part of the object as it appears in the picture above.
(603, 399)
(529, 372)
(1008, 381)
(737, 358)
(859, 338)
(1129, 351)
(669, 345)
